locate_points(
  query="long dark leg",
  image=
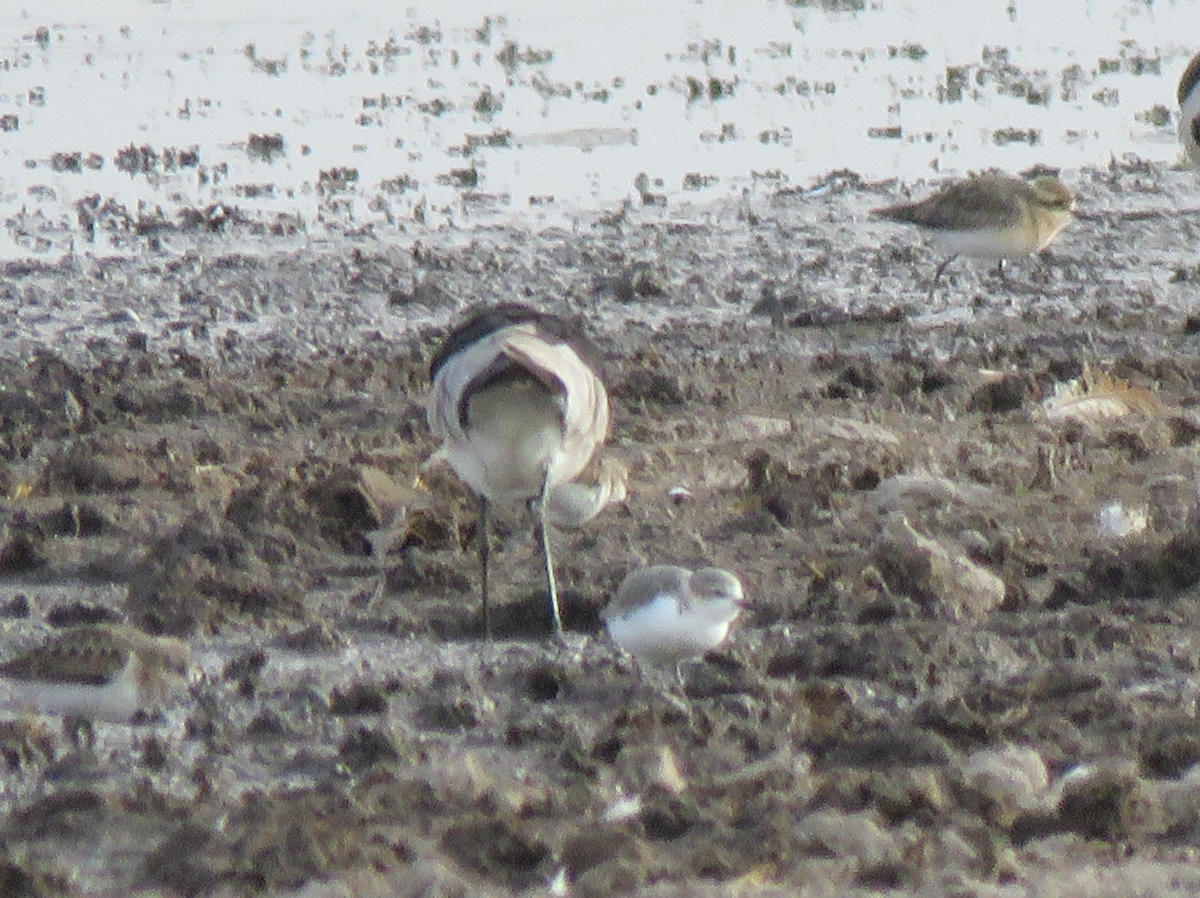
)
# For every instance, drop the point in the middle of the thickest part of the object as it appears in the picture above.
(938, 274)
(538, 506)
(485, 551)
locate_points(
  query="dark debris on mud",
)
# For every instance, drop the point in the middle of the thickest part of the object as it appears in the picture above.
(972, 659)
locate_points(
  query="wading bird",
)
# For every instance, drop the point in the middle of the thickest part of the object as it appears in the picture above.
(991, 216)
(520, 408)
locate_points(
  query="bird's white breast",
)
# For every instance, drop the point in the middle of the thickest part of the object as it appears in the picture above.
(115, 701)
(514, 438)
(662, 631)
(989, 243)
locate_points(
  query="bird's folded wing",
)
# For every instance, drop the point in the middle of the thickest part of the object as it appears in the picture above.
(585, 414)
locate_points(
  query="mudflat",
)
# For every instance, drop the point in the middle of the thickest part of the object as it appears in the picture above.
(966, 516)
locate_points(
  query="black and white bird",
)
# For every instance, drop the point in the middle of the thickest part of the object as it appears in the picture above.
(1189, 110)
(520, 408)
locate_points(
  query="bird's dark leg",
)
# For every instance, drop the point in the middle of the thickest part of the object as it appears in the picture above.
(938, 274)
(538, 507)
(485, 549)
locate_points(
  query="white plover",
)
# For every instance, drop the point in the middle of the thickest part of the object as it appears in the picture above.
(520, 408)
(666, 614)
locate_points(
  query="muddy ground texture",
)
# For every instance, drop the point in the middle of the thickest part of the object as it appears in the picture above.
(971, 665)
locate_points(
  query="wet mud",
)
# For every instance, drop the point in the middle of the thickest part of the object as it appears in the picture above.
(966, 516)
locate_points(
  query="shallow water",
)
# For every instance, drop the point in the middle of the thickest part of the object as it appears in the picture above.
(395, 120)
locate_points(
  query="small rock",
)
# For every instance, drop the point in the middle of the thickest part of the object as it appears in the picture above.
(857, 837)
(316, 637)
(447, 716)
(943, 580)
(1103, 801)
(360, 698)
(17, 606)
(22, 553)
(24, 742)
(1006, 783)
(1175, 806)
(365, 748)
(1007, 394)
(74, 614)
(909, 492)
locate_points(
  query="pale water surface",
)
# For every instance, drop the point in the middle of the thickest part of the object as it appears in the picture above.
(394, 118)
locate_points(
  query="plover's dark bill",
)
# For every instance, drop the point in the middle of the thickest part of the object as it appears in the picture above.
(101, 672)
(1189, 110)
(991, 216)
(665, 614)
(520, 408)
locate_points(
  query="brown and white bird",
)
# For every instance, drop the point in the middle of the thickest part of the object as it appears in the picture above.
(520, 408)
(990, 215)
(1189, 110)
(665, 614)
(97, 672)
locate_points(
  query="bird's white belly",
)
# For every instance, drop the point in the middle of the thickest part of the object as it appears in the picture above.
(988, 243)
(116, 701)
(659, 633)
(513, 445)
(509, 466)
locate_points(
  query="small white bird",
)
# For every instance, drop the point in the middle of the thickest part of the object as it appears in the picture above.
(520, 408)
(667, 614)
(98, 672)
(1189, 110)
(991, 216)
